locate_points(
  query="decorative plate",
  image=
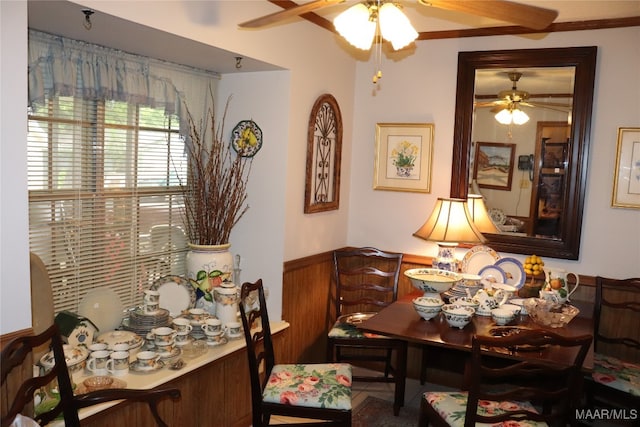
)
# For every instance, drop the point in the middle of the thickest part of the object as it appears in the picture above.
(355, 318)
(103, 307)
(246, 138)
(497, 216)
(493, 274)
(478, 257)
(514, 271)
(176, 294)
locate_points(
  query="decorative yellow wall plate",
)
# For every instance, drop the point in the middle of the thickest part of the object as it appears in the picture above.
(246, 138)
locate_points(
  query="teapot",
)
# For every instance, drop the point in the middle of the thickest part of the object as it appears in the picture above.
(556, 283)
(488, 299)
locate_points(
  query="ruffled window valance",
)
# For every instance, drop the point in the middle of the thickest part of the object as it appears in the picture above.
(67, 67)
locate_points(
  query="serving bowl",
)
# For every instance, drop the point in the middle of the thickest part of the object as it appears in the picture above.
(432, 281)
(549, 314)
(458, 316)
(427, 307)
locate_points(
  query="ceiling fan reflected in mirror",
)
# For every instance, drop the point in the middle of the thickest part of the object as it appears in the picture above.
(508, 106)
(524, 15)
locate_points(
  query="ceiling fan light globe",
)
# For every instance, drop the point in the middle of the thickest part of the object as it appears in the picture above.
(504, 117)
(395, 27)
(355, 25)
(520, 117)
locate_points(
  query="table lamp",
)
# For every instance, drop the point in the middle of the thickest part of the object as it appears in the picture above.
(450, 223)
(480, 215)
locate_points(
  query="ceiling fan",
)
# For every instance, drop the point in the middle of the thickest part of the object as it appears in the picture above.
(503, 10)
(512, 99)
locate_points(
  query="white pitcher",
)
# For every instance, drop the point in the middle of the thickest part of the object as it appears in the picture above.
(226, 296)
(556, 281)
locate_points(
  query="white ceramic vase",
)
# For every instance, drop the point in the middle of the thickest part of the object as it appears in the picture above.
(209, 266)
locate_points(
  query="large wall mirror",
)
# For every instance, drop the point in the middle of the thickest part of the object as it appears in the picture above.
(521, 138)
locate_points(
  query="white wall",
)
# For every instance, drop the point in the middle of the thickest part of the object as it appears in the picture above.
(421, 88)
(15, 293)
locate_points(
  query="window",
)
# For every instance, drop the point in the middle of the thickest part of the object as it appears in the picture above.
(104, 196)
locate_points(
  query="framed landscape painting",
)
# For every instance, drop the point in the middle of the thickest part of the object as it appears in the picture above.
(493, 165)
(626, 185)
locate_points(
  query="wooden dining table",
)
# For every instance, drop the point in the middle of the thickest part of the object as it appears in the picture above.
(400, 320)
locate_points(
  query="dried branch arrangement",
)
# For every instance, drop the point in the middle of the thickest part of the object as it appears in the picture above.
(216, 190)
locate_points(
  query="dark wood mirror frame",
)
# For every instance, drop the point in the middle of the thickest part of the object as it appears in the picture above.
(584, 61)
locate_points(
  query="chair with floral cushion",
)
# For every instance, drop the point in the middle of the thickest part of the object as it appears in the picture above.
(320, 391)
(366, 281)
(615, 380)
(533, 392)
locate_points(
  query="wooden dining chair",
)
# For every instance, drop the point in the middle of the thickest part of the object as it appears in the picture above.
(366, 281)
(319, 392)
(615, 380)
(18, 393)
(535, 389)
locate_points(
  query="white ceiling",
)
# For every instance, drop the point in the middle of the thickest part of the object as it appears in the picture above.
(57, 16)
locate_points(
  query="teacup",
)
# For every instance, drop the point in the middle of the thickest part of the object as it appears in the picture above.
(181, 324)
(233, 329)
(197, 314)
(151, 307)
(97, 362)
(98, 346)
(118, 364)
(516, 309)
(151, 296)
(165, 348)
(147, 359)
(182, 338)
(214, 337)
(551, 296)
(163, 335)
(212, 325)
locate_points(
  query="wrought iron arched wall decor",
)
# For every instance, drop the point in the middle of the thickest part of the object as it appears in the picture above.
(324, 147)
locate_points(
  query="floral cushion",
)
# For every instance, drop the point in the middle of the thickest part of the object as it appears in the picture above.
(452, 407)
(616, 373)
(318, 385)
(348, 330)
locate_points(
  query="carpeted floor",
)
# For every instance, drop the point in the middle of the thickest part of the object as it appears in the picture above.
(375, 412)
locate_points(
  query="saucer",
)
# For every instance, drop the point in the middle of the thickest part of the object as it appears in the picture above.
(168, 355)
(137, 367)
(235, 336)
(216, 343)
(183, 343)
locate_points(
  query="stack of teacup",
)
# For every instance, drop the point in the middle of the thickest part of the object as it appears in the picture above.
(103, 361)
(183, 328)
(151, 301)
(214, 331)
(163, 340)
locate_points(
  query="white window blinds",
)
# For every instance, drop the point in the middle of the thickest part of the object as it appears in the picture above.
(104, 196)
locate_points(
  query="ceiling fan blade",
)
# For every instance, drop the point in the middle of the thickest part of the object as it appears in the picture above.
(524, 15)
(288, 13)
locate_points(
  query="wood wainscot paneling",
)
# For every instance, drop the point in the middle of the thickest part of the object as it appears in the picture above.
(306, 288)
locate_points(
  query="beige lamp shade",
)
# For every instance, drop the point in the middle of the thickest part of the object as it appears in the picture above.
(479, 214)
(450, 221)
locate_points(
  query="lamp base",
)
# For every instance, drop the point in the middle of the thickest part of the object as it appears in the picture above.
(446, 260)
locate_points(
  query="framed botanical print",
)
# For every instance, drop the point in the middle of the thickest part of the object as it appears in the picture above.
(324, 148)
(626, 185)
(403, 157)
